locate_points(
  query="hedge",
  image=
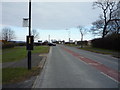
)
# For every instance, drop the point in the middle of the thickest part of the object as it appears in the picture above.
(8, 45)
(110, 42)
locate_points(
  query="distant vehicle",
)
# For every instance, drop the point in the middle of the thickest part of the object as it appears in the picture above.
(52, 44)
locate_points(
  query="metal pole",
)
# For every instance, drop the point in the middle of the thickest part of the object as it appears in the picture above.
(29, 17)
(29, 51)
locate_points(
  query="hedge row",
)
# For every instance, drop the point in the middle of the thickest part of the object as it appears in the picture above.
(8, 45)
(20, 44)
(110, 42)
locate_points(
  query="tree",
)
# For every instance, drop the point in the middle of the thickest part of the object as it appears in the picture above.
(108, 8)
(35, 34)
(97, 27)
(82, 33)
(8, 34)
(115, 23)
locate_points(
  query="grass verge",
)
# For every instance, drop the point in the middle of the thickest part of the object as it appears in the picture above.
(18, 53)
(14, 75)
(41, 49)
(102, 51)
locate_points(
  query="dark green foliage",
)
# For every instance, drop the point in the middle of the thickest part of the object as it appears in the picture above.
(111, 41)
(8, 45)
(21, 44)
(82, 42)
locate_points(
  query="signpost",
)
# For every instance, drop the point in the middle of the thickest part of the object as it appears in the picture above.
(29, 38)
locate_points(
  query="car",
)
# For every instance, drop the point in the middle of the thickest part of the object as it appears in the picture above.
(52, 44)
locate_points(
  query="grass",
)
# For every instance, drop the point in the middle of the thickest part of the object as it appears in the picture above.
(102, 51)
(98, 50)
(18, 53)
(0, 56)
(41, 49)
(13, 75)
(13, 54)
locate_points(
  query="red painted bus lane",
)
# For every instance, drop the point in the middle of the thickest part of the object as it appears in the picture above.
(113, 74)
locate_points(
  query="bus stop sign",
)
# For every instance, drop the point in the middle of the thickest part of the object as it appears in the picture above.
(30, 42)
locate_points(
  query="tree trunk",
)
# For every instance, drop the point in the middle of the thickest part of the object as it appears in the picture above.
(104, 31)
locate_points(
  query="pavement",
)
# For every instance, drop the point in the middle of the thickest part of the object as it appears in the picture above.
(68, 67)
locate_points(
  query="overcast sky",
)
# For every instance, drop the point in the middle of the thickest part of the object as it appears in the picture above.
(50, 15)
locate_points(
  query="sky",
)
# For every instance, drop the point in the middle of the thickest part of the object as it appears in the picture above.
(50, 18)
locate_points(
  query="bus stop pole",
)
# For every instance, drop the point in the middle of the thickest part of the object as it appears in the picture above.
(29, 51)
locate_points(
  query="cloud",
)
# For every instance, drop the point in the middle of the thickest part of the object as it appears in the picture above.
(50, 15)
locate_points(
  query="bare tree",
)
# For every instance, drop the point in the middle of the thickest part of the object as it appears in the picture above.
(8, 34)
(82, 33)
(97, 27)
(109, 8)
(35, 34)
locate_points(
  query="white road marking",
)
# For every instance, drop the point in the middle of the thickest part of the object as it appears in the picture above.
(84, 62)
(82, 57)
(109, 77)
(93, 63)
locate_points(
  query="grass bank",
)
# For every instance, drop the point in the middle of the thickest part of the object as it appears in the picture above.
(14, 75)
(18, 53)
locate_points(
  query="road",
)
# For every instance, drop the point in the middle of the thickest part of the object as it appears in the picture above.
(68, 67)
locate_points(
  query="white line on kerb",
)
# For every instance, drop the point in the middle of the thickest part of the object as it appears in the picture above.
(109, 77)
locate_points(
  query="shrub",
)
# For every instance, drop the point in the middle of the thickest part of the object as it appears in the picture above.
(8, 45)
(21, 44)
(110, 42)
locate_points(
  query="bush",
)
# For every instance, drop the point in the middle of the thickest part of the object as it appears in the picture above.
(8, 45)
(110, 42)
(21, 44)
(85, 43)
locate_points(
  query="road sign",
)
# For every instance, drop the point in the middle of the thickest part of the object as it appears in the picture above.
(30, 42)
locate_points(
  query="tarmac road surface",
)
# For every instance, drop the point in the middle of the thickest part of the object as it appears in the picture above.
(68, 67)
